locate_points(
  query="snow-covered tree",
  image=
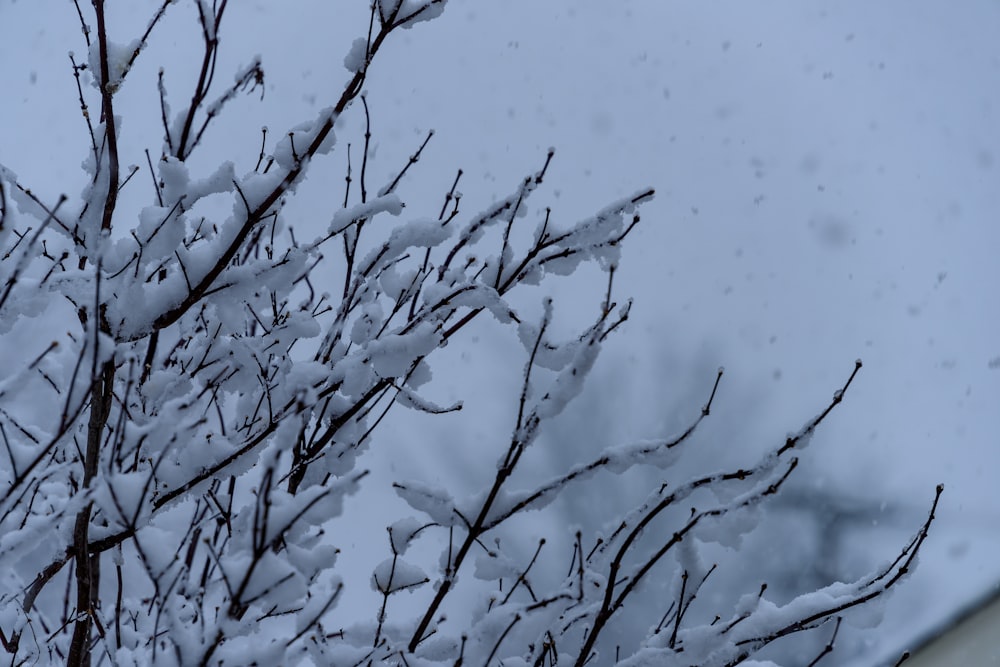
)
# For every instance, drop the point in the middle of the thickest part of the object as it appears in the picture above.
(186, 403)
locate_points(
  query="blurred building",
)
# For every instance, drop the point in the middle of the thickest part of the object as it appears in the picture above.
(971, 637)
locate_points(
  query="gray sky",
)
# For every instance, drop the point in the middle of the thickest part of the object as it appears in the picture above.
(827, 178)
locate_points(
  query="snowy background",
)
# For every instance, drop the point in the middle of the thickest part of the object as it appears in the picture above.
(828, 181)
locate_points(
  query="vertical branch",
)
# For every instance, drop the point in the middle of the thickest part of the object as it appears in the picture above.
(86, 572)
(210, 34)
(108, 116)
(86, 562)
(364, 156)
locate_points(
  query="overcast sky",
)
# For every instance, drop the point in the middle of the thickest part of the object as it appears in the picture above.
(828, 182)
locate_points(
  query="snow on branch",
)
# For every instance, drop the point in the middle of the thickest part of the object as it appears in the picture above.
(186, 412)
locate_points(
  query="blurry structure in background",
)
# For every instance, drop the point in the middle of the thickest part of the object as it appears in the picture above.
(971, 638)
